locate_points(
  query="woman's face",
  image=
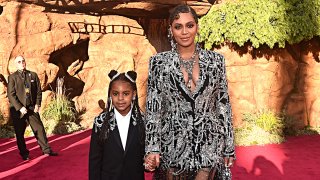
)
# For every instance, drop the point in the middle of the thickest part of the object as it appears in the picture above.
(184, 30)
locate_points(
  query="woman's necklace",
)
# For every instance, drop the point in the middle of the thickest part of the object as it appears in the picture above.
(188, 65)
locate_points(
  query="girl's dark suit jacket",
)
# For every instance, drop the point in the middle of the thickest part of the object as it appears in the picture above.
(109, 161)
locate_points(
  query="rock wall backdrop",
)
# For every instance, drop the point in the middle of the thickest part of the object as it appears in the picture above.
(83, 40)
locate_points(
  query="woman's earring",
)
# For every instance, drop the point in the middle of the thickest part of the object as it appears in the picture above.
(171, 39)
(198, 37)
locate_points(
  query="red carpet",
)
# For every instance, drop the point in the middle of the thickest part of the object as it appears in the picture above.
(296, 159)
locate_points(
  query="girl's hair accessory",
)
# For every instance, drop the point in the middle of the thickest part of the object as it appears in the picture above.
(133, 76)
(113, 74)
(130, 75)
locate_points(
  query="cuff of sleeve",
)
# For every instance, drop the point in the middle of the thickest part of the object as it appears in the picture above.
(152, 149)
(151, 152)
(229, 154)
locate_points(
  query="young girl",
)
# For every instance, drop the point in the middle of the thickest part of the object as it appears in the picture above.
(118, 134)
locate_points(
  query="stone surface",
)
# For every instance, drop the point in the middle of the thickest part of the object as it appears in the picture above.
(83, 60)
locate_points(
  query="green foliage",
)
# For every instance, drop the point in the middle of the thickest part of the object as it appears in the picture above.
(6, 131)
(60, 108)
(60, 116)
(273, 22)
(291, 125)
(308, 130)
(264, 127)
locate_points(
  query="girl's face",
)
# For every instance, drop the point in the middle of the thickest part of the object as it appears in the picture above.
(184, 30)
(122, 95)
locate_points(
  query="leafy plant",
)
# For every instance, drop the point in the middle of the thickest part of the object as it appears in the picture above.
(308, 130)
(59, 114)
(274, 22)
(264, 127)
(6, 131)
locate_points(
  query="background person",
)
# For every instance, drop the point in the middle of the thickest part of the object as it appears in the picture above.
(24, 93)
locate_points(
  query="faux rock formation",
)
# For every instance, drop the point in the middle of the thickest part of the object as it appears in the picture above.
(53, 48)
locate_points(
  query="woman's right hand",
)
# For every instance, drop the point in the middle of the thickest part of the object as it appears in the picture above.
(152, 161)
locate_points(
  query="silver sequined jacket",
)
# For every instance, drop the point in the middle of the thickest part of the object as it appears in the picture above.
(190, 130)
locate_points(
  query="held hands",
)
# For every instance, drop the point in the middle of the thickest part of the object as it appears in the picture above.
(23, 111)
(36, 108)
(228, 161)
(151, 161)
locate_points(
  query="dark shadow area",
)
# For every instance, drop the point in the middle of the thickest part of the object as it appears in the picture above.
(156, 31)
(3, 80)
(107, 7)
(264, 168)
(1, 10)
(79, 114)
(70, 61)
(312, 46)
(247, 48)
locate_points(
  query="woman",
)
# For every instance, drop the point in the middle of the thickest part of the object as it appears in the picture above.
(189, 132)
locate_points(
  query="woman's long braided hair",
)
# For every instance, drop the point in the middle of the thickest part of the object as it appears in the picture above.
(129, 77)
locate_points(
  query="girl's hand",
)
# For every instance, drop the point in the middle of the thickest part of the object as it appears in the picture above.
(151, 161)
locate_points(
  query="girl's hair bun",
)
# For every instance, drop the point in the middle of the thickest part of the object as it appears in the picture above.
(133, 75)
(112, 73)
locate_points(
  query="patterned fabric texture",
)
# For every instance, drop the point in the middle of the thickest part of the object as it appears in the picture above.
(192, 131)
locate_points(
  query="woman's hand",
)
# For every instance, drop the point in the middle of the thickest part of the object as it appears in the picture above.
(151, 161)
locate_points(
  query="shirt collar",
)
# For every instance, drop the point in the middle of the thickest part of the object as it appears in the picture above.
(120, 116)
(22, 71)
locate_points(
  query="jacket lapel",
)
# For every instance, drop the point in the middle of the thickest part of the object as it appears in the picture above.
(117, 138)
(203, 80)
(131, 135)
